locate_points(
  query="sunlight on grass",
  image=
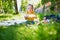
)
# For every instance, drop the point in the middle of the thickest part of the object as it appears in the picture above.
(34, 27)
(52, 32)
(29, 33)
(8, 16)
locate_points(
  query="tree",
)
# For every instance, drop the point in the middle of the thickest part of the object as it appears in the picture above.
(0, 6)
(16, 8)
(7, 6)
(24, 3)
(54, 4)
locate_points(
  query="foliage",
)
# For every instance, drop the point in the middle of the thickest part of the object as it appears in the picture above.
(5, 17)
(38, 5)
(7, 6)
(44, 1)
(24, 5)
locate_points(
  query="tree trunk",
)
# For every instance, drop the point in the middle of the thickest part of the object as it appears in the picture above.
(16, 8)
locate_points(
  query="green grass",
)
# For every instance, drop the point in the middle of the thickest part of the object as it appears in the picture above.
(21, 32)
(8, 16)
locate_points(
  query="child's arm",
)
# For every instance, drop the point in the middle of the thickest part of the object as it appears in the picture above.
(26, 17)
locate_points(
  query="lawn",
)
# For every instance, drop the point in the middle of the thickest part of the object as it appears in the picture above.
(5, 17)
(22, 32)
(43, 31)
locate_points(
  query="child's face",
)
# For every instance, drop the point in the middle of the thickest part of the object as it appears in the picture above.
(30, 9)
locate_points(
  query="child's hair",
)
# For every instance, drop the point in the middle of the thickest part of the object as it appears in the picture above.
(30, 5)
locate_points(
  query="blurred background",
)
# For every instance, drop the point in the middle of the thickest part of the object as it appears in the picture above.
(12, 23)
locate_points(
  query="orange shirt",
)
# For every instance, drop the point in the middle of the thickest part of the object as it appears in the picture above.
(30, 16)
